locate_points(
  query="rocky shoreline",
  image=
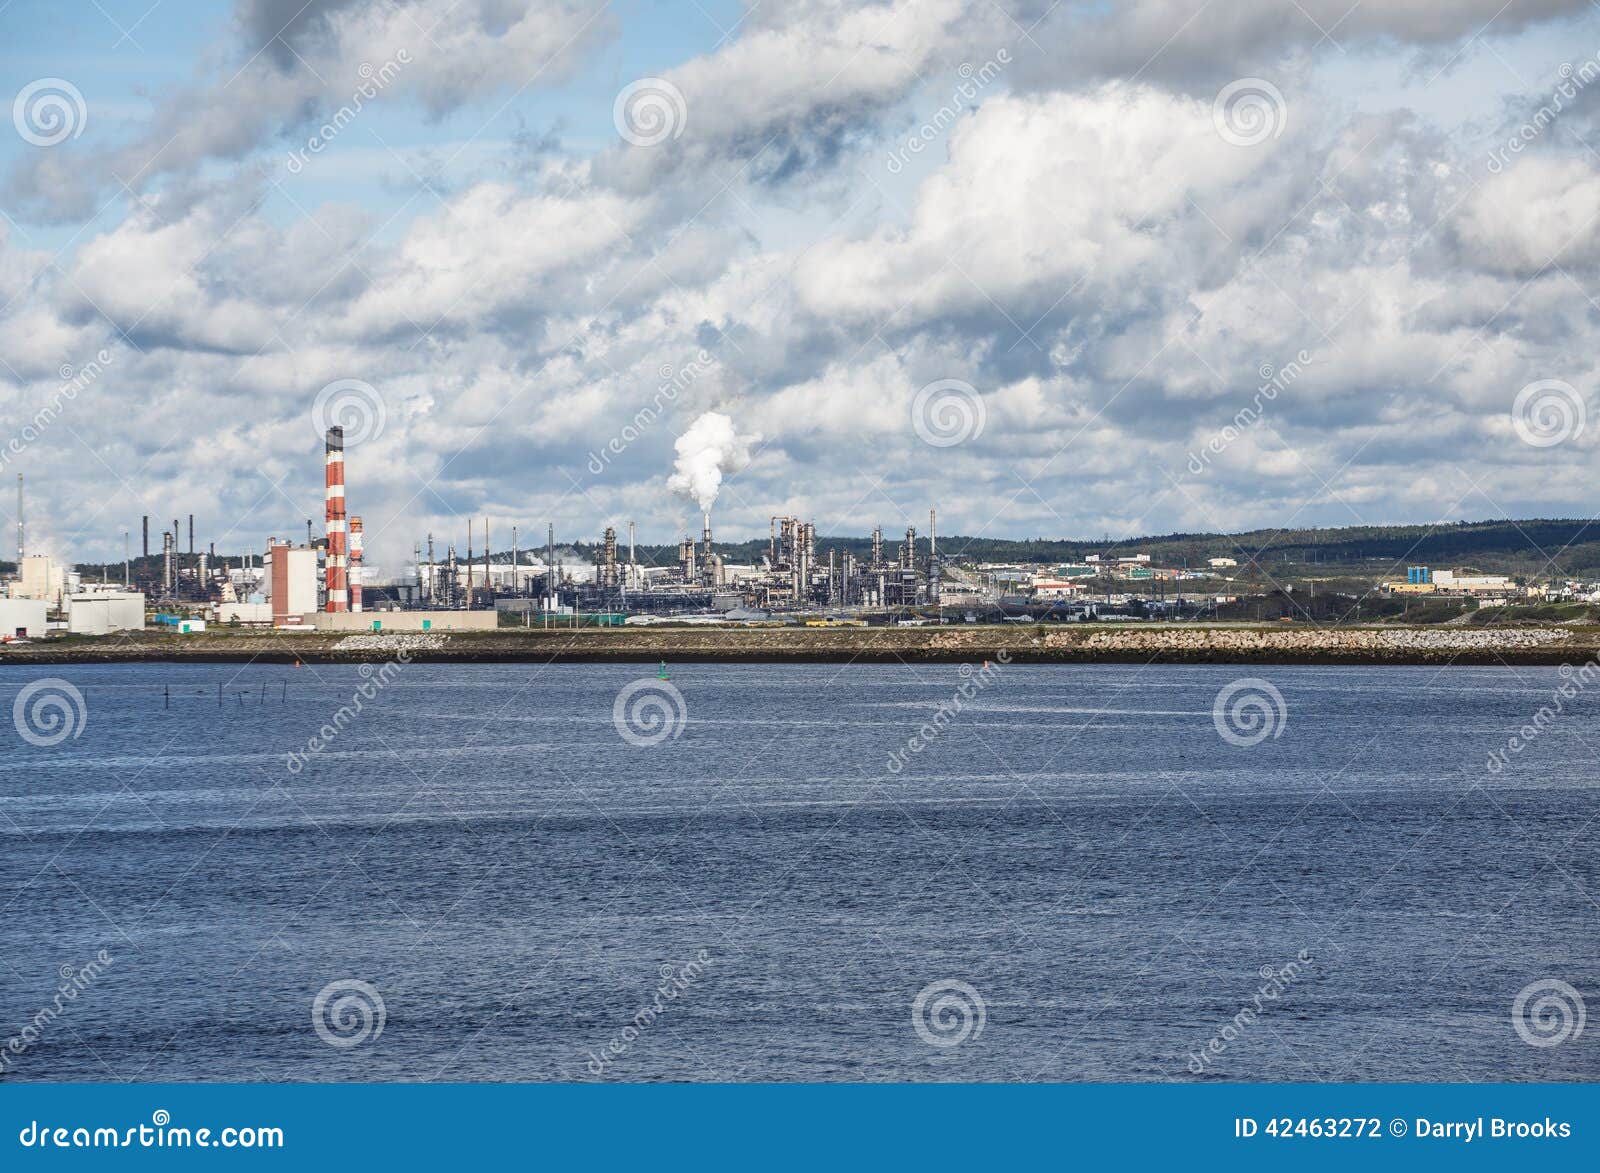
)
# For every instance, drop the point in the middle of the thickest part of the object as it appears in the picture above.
(1078, 643)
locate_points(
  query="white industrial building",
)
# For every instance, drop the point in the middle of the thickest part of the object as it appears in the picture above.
(103, 612)
(22, 618)
(41, 577)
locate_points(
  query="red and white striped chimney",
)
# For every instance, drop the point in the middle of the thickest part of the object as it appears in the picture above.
(338, 558)
(355, 564)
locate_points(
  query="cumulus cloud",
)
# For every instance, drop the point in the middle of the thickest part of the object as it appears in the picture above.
(1541, 211)
(296, 64)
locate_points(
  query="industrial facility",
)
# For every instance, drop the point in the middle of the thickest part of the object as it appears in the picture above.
(323, 584)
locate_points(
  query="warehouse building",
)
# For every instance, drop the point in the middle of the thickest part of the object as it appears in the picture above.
(103, 612)
(22, 618)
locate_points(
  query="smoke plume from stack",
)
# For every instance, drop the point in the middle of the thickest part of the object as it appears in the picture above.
(710, 450)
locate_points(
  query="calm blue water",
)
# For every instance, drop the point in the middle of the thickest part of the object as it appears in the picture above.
(1080, 847)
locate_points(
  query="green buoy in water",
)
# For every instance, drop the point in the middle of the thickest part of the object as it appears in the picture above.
(662, 674)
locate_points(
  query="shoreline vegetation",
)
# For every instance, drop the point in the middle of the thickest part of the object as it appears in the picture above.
(1020, 643)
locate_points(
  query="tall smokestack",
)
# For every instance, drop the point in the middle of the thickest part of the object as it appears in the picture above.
(19, 524)
(191, 535)
(355, 564)
(147, 535)
(337, 580)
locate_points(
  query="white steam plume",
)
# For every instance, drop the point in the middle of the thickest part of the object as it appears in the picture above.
(708, 451)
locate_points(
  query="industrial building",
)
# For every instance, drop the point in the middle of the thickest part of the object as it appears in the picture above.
(104, 612)
(23, 618)
(291, 581)
(40, 577)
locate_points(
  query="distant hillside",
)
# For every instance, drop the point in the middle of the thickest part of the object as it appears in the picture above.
(1537, 546)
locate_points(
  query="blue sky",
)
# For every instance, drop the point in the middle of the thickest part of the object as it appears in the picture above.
(1087, 262)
